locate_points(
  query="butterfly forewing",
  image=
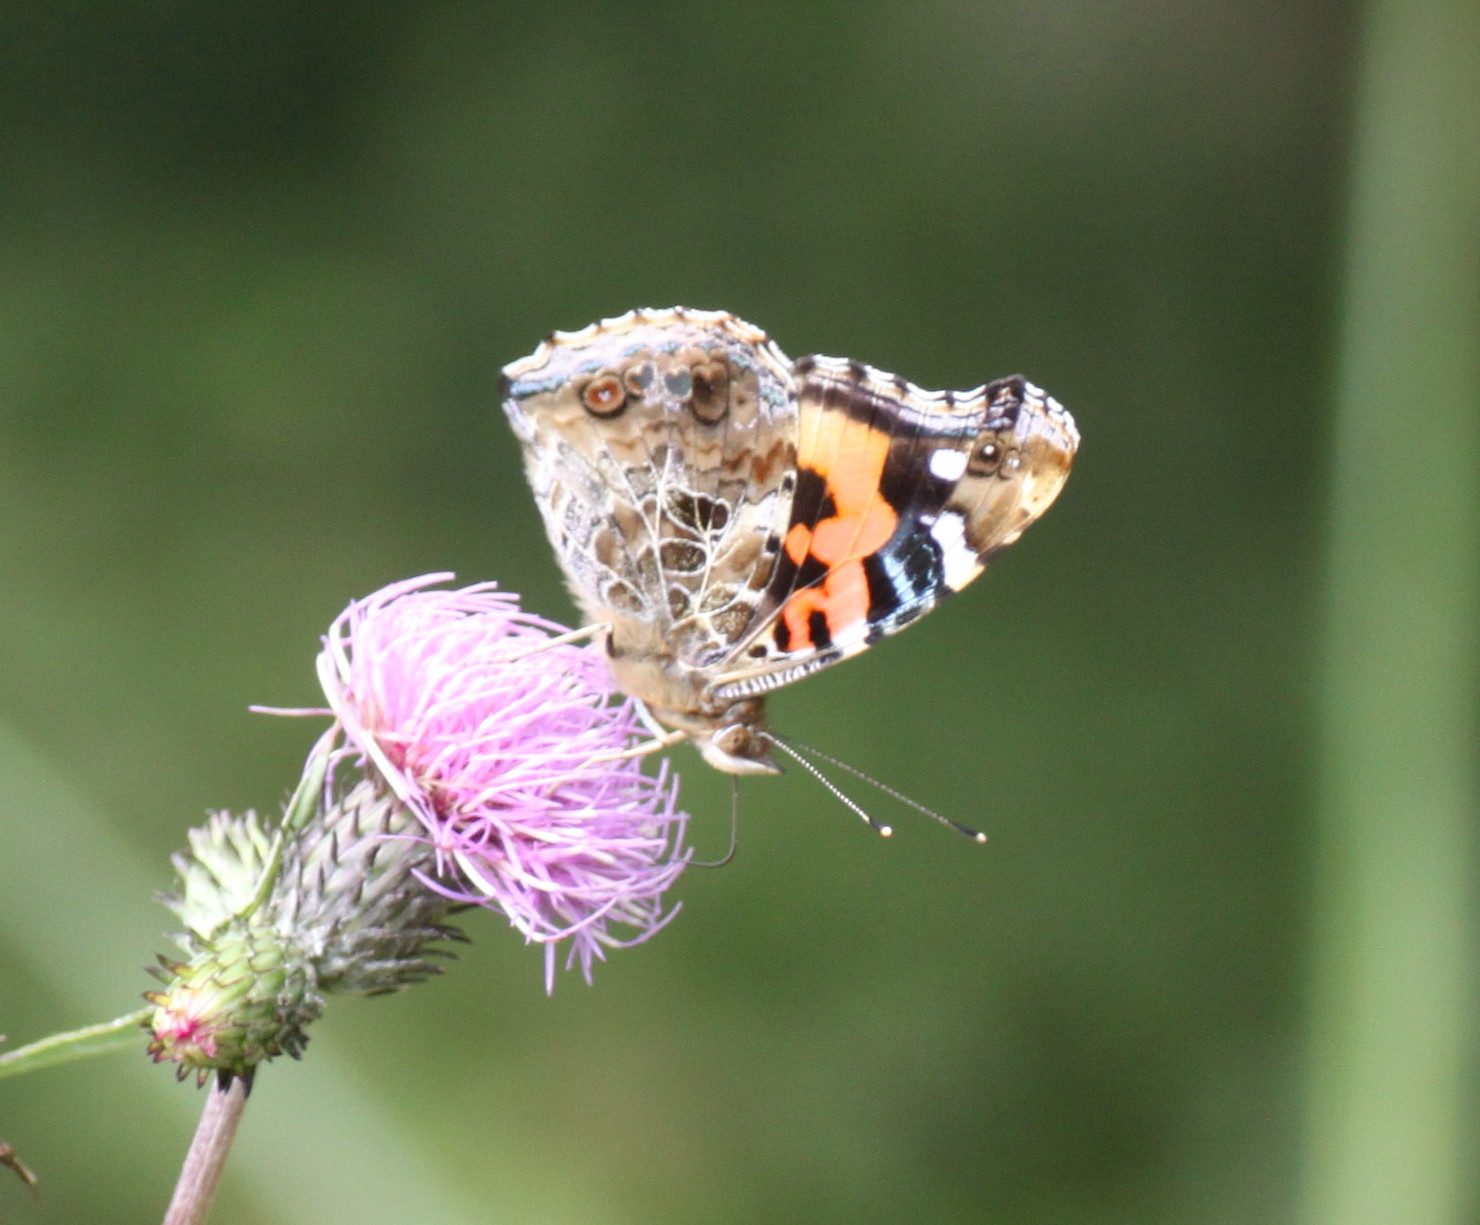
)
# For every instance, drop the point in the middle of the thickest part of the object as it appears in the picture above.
(902, 496)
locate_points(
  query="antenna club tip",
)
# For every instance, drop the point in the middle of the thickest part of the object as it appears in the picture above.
(886, 831)
(978, 836)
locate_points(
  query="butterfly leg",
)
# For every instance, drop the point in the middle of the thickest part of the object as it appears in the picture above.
(658, 743)
(586, 631)
(663, 737)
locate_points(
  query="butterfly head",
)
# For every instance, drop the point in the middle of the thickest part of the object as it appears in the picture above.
(737, 748)
(733, 739)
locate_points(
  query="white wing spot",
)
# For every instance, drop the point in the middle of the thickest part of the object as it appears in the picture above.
(947, 464)
(958, 559)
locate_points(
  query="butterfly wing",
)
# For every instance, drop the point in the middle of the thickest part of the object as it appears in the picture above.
(661, 447)
(902, 497)
(739, 522)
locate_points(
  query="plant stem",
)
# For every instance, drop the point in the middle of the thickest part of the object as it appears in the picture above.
(1389, 1113)
(206, 1159)
(75, 1044)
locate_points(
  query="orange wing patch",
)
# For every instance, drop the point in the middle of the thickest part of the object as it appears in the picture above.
(849, 456)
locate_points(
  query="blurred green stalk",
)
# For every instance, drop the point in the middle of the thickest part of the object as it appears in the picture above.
(1390, 1111)
(117, 1035)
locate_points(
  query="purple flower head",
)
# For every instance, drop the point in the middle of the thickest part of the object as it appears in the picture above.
(503, 740)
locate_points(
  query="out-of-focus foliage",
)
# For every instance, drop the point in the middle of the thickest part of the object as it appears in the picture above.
(259, 266)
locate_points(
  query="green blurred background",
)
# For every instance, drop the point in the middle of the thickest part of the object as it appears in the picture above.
(259, 266)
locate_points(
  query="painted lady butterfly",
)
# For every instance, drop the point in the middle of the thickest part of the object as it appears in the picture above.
(739, 520)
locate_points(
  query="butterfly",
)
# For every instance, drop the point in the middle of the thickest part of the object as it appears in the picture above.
(739, 521)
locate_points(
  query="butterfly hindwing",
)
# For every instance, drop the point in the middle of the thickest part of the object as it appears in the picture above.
(661, 453)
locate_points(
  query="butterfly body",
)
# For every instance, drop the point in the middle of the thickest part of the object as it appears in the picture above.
(740, 520)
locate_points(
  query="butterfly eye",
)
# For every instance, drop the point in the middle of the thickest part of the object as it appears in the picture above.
(604, 396)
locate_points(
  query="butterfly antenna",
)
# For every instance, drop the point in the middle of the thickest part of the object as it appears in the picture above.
(734, 828)
(884, 831)
(792, 747)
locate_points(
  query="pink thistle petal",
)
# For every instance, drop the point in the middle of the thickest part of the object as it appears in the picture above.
(493, 735)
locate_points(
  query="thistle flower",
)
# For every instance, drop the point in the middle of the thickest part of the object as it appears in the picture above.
(506, 742)
(478, 756)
